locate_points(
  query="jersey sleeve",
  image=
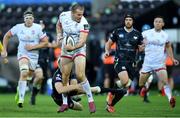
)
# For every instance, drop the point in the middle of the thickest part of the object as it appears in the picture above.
(57, 76)
(144, 34)
(41, 33)
(167, 38)
(113, 36)
(140, 40)
(14, 29)
(84, 26)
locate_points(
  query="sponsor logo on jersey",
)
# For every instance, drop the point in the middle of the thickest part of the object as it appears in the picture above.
(121, 35)
(86, 27)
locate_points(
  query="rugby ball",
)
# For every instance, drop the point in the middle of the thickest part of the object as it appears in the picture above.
(70, 40)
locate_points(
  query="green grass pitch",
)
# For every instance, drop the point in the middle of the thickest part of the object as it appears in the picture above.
(129, 106)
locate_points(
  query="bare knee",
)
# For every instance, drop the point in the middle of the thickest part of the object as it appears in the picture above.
(80, 76)
(142, 79)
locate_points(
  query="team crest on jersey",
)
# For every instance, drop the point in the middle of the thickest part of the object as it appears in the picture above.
(135, 37)
(58, 77)
(33, 32)
(121, 35)
(86, 27)
(123, 67)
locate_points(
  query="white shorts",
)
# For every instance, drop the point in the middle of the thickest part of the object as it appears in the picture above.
(32, 64)
(149, 68)
(73, 54)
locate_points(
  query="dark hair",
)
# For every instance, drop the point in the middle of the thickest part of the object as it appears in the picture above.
(159, 16)
(28, 12)
(76, 6)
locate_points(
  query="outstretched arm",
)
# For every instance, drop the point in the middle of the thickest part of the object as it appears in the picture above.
(170, 53)
(108, 45)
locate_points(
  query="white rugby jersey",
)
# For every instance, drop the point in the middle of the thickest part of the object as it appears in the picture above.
(71, 27)
(155, 46)
(28, 35)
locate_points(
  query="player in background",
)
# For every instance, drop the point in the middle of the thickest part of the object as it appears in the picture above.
(40, 73)
(128, 41)
(31, 38)
(73, 23)
(156, 42)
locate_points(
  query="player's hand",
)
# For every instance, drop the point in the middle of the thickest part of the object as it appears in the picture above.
(106, 54)
(59, 37)
(176, 62)
(69, 47)
(4, 54)
(141, 47)
(5, 60)
(28, 47)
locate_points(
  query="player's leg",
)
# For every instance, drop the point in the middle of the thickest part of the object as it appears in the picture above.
(80, 65)
(76, 106)
(162, 75)
(66, 67)
(22, 83)
(142, 81)
(73, 81)
(147, 85)
(37, 82)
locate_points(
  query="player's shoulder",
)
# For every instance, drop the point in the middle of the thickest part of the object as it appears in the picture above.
(84, 20)
(117, 30)
(148, 31)
(19, 25)
(65, 14)
(136, 31)
(164, 32)
(37, 26)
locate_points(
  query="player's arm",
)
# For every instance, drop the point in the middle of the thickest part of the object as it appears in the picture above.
(83, 37)
(64, 89)
(54, 44)
(59, 31)
(170, 53)
(108, 45)
(141, 45)
(6, 39)
(42, 44)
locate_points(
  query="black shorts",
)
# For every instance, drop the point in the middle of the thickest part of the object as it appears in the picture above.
(169, 71)
(109, 71)
(120, 66)
(58, 100)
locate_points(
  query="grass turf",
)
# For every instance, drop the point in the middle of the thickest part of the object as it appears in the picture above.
(130, 106)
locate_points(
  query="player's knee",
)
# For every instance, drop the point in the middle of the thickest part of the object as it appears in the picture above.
(141, 83)
(39, 74)
(80, 76)
(24, 70)
(65, 76)
(128, 83)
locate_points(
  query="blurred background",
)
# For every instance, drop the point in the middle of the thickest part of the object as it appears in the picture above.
(103, 16)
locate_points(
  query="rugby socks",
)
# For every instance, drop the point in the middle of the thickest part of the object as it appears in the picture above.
(87, 89)
(167, 91)
(119, 84)
(116, 98)
(112, 90)
(35, 91)
(22, 89)
(64, 96)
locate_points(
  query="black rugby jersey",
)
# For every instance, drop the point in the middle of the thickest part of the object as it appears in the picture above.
(127, 43)
(56, 78)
